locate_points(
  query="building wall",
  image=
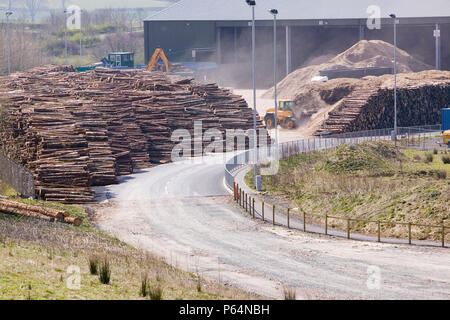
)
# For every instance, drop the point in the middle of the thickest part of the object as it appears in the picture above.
(310, 45)
(178, 38)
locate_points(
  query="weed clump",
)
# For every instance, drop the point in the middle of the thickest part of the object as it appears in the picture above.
(105, 272)
(93, 265)
(428, 158)
(446, 159)
(155, 292)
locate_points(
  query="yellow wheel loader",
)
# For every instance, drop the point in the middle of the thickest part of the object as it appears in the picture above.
(285, 113)
(447, 138)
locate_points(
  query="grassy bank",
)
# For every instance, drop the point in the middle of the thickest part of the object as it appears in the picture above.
(36, 257)
(371, 181)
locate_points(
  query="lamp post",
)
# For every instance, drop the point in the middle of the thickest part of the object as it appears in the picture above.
(81, 39)
(394, 17)
(8, 31)
(252, 4)
(65, 36)
(274, 12)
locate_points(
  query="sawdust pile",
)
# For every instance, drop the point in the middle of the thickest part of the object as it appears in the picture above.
(364, 54)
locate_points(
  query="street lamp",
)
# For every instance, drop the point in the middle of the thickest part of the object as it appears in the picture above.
(252, 4)
(394, 17)
(274, 12)
(65, 36)
(8, 13)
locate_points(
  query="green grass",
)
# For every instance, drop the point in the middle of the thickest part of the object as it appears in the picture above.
(36, 257)
(6, 190)
(372, 181)
(73, 211)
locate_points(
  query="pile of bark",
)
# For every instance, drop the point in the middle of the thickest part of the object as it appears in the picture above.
(22, 209)
(77, 130)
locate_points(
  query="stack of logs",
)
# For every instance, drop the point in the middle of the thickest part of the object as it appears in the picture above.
(22, 209)
(372, 108)
(77, 130)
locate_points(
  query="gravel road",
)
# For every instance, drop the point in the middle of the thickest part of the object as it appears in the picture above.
(184, 213)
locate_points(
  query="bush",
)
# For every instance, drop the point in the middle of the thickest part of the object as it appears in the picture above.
(93, 265)
(441, 174)
(446, 159)
(105, 272)
(155, 292)
(435, 151)
(429, 158)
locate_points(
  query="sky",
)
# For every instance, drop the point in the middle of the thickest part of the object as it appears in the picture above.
(96, 4)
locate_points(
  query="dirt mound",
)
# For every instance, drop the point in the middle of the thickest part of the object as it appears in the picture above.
(364, 54)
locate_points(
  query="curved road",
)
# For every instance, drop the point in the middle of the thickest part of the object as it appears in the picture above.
(183, 212)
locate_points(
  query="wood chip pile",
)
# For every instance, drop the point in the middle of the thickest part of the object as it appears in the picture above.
(77, 130)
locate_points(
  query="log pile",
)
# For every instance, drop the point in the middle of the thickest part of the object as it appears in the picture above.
(77, 130)
(420, 99)
(22, 209)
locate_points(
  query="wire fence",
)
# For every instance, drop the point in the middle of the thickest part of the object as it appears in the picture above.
(323, 224)
(420, 137)
(409, 137)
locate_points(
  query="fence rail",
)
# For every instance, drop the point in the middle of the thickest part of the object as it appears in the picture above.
(17, 176)
(295, 220)
(407, 137)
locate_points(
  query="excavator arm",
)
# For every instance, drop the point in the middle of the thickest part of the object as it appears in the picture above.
(158, 54)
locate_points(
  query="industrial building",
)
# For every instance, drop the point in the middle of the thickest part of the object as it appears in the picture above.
(308, 31)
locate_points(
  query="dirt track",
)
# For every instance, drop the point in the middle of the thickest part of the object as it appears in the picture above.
(182, 212)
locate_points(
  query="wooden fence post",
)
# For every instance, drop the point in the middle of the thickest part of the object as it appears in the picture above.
(253, 208)
(304, 221)
(348, 228)
(273, 215)
(409, 232)
(443, 236)
(262, 210)
(326, 224)
(288, 218)
(379, 231)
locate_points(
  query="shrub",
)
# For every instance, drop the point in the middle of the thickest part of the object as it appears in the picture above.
(429, 158)
(446, 159)
(93, 265)
(155, 292)
(105, 272)
(441, 174)
(435, 151)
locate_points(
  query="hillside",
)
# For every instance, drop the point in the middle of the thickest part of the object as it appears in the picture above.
(371, 181)
(36, 259)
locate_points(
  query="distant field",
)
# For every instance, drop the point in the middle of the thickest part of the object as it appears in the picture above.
(372, 181)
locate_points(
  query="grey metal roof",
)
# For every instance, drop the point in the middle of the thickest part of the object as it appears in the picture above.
(237, 10)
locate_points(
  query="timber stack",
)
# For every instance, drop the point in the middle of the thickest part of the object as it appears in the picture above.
(371, 106)
(78, 130)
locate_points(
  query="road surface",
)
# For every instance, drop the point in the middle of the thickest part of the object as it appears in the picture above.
(183, 212)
